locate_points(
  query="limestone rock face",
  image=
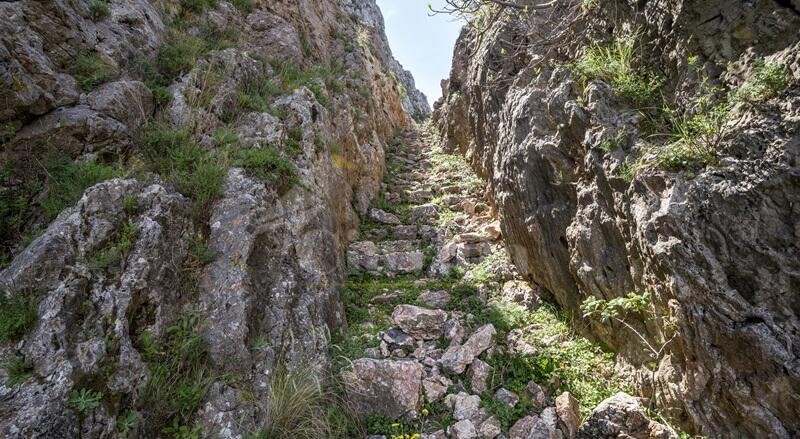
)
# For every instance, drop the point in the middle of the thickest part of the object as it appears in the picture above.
(94, 301)
(255, 270)
(715, 247)
(384, 387)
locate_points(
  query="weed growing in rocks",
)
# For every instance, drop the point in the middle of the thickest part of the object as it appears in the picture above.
(299, 406)
(180, 53)
(244, 6)
(84, 400)
(90, 70)
(198, 5)
(116, 250)
(616, 64)
(179, 375)
(18, 370)
(268, 164)
(768, 79)
(99, 9)
(126, 422)
(18, 314)
(195, 171)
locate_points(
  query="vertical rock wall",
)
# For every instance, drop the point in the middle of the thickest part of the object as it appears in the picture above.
(714, 247)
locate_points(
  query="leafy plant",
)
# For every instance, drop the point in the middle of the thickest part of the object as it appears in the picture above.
(90, 70)
(84, 400)
(126, 422)
(18, 313)
(18, 370)
(767, 81)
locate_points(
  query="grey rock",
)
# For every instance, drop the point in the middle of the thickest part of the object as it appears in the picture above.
(421, 323)
(434, 299)
(457, 357)
(478, 374)
(425, 212)
(622, 415)
(388, 387)
(536, 395)
(403, 262)
(382, 217)
(435, 387)
(569, 414)
(506, 396)
(465, 406)
(490, 428)
(463, 429)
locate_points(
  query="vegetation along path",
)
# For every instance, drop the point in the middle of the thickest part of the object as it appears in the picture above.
(434, 299)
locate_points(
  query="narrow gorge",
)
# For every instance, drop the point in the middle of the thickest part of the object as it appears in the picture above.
(242, 219)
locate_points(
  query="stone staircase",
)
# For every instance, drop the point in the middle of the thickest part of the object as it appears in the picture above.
(429, 263)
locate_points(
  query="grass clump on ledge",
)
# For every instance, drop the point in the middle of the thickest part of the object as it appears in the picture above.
(299, 406)
(18, 370)
(195, 171)
(615, 63)
(269, 165)
(18, 314)
(90, 70)
(768, 79)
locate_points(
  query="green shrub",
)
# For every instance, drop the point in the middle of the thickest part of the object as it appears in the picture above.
(90, 70)
(615, 63)
(269, 165)
(18, 370)
(18, 314)
(99, 9)
(767, 81)
(84, 400)
(201, 251)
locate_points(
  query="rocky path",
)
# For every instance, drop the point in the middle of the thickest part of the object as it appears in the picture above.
(445, 339)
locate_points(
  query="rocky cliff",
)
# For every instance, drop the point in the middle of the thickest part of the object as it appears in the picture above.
(643, 159)
(180, 180)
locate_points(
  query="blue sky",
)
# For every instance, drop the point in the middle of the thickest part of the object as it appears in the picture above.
(422, 44)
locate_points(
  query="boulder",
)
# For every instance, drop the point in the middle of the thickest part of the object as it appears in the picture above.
(434, 299)
(403, 262)
(388, 387)
(383, 217)
(463, 429)
(478, 374)
(506, 396)
(490, 428)
(457, 357)
(622, 415)
(569, 414)
(465, 406)
(421, 323)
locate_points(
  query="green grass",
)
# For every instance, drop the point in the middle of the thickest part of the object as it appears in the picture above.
(179, 374)
(180, 52)
(90, 70)
(42, 190)
(244, 6)
(18, 370)
(84, 400)
(225, 137)
(504, 413)
(67, 181)
(116, 250)
(616, 64)
(767, 81)
(201, 251)
(299, 406)
(18, 314)
(198, 5)
(195, 171)
(258, 94)
(99, 9)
